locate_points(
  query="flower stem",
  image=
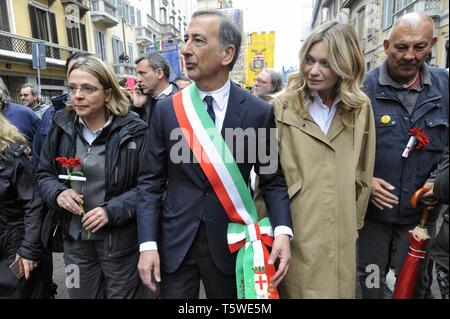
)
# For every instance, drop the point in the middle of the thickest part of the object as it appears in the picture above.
(83, 212)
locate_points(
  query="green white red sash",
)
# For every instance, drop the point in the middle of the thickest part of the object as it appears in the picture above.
(253, 273)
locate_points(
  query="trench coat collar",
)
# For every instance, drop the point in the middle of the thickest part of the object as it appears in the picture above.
(308, 126)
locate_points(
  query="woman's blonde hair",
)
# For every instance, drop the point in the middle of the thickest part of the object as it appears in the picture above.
(118, 104)
(9, 134)
(346, 60)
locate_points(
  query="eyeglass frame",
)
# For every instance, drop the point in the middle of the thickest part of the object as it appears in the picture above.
(73, 89)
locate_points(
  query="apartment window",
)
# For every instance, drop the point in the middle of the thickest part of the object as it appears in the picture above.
(172, 20)
(335, 8)
(117, 49)
(163, 16)
(76, 34)
(132, 16)
(153, 8)
(138, 17)
(325, 13)
(4, 19)
(100, 46)
(121, 9)
(43, 24)
(130, 52)
(361, 28)
(401, 4)
(388, 11)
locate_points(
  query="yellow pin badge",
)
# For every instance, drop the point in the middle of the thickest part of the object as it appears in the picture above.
(385, 119)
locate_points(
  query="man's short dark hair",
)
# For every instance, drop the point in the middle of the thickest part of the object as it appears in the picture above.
(229, 33)
(156, 61)
(34, 89)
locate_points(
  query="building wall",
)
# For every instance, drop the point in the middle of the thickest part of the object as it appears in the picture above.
(372, 34)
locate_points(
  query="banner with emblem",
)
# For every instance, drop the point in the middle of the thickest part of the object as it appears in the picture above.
(260, 54)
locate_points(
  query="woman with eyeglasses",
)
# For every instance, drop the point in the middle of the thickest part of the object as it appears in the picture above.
(99, 217)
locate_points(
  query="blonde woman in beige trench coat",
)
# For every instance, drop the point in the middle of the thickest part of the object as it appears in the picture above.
(327, 173)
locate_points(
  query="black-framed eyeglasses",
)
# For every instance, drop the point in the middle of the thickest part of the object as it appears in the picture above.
(85, 88)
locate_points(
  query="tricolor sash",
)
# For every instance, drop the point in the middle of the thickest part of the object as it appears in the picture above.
(245, 234)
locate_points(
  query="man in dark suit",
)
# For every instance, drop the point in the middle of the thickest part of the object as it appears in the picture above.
(152, 79)
(188, 228)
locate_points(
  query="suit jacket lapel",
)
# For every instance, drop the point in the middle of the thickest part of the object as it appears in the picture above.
(235, 109)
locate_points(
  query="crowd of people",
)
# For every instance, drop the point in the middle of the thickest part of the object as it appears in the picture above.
(148, 194)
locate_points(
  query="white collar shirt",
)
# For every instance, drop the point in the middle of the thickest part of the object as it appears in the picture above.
(220, 103)
(165, 93)
(89, 135)
(321, 113)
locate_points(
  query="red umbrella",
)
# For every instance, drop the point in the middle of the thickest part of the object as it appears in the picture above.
(418, 237)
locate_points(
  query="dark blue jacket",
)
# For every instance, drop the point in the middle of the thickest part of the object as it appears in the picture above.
(23, 118)
(40, 135)
(407, 174)
(58, 103)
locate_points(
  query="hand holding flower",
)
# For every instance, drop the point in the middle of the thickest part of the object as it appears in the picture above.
(95, 219)
(71, 201)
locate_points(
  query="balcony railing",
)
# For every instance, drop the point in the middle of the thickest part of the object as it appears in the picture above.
(169, 30)
(143, 35)
(14, 47)
(83, 5)
(124, 69)
(153, 24)
(104, 11)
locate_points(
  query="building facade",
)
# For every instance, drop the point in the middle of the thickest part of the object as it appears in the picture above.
(118, 31)
(373, 20)
(26, 22)
(214, 4)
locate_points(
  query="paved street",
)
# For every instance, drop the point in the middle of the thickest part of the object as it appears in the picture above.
(59, 278)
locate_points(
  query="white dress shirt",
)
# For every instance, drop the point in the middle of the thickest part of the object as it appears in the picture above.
(220, 104)
(165, 93)
(322, 114)
(89, 135)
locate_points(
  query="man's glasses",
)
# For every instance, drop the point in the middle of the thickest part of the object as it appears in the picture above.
(261, 81)
(85, 88)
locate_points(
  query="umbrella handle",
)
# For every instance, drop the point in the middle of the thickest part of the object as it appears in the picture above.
(418, 195)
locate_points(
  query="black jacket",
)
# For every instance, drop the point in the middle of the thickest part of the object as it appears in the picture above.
(20, 203)
(125, 144)
(146, 111)
(439, 248)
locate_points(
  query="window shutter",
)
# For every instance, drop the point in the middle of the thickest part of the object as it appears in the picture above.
(53, 27)
(34, 26)
(83, 37)
(4, 20)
